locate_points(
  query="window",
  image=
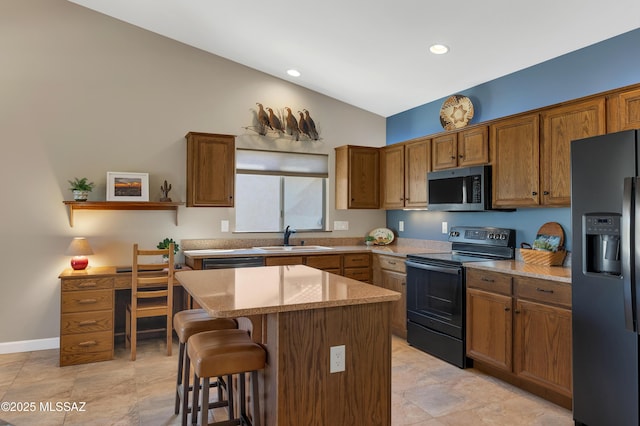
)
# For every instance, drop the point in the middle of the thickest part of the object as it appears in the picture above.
(275, 189)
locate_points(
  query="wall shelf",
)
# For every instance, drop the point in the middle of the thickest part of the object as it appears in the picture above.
(120, 205)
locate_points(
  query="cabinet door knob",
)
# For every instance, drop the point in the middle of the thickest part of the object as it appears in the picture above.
(507, 309)
(453, 157)
(546, 192)
(517, 311)
(534, 193)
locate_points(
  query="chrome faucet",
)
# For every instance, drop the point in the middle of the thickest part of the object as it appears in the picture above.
(287, 233)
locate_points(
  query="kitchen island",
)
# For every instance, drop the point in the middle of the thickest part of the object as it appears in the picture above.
(305, 312)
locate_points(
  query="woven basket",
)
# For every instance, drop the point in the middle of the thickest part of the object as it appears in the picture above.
(547, 258)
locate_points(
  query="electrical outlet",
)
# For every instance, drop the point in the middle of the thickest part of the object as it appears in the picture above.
(337, 361)
(445, 228)
(340, 225)
(401, 226)
(224, 226)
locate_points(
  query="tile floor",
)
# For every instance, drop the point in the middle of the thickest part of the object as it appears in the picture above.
(425, 391)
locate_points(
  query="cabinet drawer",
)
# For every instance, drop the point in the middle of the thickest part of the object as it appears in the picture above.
(85, 301)
(283, 260)
(87, 283)
(329, 261)
(73, 344)
(86, 322)
(360, 274)
(356, 260)
(392, 263)
(494, 282)
(544, 291)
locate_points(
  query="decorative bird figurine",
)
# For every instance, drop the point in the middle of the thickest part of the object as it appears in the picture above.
(303, 125)
(274, 121)
(263, 118)
(292, 124)
(313, 133)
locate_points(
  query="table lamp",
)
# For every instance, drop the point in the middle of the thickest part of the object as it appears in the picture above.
(79, 249)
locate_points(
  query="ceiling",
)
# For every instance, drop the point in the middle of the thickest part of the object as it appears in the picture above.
(375, 54)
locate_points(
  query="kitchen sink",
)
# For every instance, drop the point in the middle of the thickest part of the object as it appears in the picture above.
(292, 248)
(207, 251)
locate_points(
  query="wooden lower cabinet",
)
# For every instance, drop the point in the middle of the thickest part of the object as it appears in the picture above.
(351, 265)
(521, 332)
(390, 272)
(86, 320)
(489, 328)
(542, 342)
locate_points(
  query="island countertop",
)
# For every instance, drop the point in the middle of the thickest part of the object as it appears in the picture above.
(271, 289)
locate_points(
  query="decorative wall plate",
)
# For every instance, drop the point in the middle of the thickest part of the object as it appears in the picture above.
(382, 236)
(456, 112)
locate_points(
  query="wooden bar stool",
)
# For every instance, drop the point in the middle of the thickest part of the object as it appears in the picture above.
(225, 353)
(187, 323)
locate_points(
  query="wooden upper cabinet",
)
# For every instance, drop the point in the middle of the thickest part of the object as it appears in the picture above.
(560, 126)
(623, 111)
(515, 157)
(403, 174)
(417, 163)
(210, 170)
(357, 177)
(444, 151)
(392, 173)
(473, 146)
(461, 149)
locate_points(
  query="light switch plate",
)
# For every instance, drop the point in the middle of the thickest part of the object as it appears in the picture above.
(445, 228)
(401, 226)
(224, 226)
(340, 225)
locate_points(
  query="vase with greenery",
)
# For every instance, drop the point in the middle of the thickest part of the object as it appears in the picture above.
(164, 244)
(368, 240)
(81, 188)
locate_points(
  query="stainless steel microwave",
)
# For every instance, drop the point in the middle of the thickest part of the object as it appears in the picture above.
(462, 189)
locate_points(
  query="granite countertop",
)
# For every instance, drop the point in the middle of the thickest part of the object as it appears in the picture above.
(393, 250)
(233, 292)
(515, 267)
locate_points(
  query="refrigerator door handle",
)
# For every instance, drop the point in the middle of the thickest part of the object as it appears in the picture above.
(626, 227)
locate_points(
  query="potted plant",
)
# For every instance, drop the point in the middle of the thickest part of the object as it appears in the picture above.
(165, 244)
(368, 240)
(81, 188)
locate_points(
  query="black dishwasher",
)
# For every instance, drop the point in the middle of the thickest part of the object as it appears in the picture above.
(232, 262)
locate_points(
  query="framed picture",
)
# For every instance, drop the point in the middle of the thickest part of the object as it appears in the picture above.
(125, 186)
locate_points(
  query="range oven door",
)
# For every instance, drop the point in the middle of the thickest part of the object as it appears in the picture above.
(435, 310)
(435, 297)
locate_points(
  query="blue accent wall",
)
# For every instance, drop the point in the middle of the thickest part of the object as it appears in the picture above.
(603, 66)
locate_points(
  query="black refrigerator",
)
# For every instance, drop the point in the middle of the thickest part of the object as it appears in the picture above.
(605, 272)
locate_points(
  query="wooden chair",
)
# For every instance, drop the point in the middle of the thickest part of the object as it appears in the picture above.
(151, 295)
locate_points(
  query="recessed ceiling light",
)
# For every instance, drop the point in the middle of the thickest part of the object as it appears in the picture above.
(293, 73)
(438, 49)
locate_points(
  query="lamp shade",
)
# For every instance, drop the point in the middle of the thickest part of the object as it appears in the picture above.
(79, 248)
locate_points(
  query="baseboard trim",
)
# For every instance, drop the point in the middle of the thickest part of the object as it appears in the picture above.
(29, 345)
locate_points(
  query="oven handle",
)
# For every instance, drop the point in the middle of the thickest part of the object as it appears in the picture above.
(443, 269)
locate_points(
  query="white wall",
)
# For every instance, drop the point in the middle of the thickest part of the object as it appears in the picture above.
(82, 94)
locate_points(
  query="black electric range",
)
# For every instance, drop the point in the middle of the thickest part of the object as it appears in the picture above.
(436, 289)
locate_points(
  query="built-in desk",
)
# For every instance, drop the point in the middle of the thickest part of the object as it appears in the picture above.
(305, 312)
(92, 312)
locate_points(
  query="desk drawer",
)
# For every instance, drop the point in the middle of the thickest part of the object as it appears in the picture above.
(86, 322)
(356, 260)
(87, 283)
(85, 301)
(86, 342)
